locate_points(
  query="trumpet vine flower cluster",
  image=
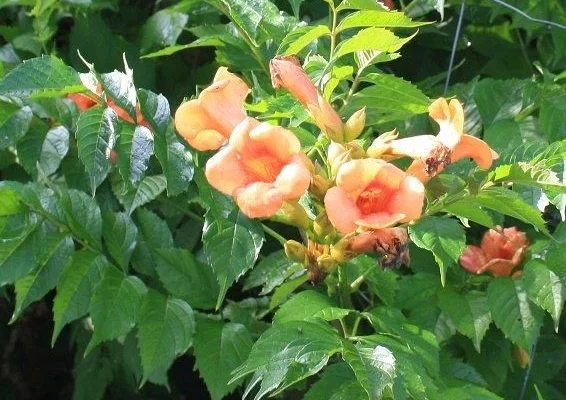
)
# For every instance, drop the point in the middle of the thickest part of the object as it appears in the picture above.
(363, 200)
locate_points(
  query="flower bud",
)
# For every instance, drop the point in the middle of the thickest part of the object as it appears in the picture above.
(295, 251)
(292, 213)
(355, 125)
(381, 145)
(326, 263)
(322, 226)
(319, 186)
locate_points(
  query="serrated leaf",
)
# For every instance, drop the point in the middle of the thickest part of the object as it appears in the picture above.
(45, 76)
(29, 147)
(309, 304)
(149, 188)
(92, 374)
(499, 99)
(135, 148)
(374, 367)
(301, 37)
(471, 211)
(186, 278)
(337, 381)
(236, 235)
(219, 348)
(371, 39)
(119, 233)
(20, 243)
(119, 86)
(545, 289)
(444, 237)
(374, 18)
(272, 271)
(155, 110)
(288, 353)
(469, 312)
(114, 306)
(165, 331)
(162, 29)
(56, 251)
(75, 288)
(176, 161)
(517, 317)
(14, 123)
(217, 204)
(55, 147)
(361, 5)
(96, 136)
(81, 213)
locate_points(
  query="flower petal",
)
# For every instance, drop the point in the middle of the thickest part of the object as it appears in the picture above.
(258, 200)
(418, 170)
(450, 118)
(279, 141)
(473, 259)
(287, 73)
(197, 127)
(341, 210)
(225, 172)
(379, 220)
(408, 200)
(293, 180)
(354, 176)
(416, 147)
(477, 149)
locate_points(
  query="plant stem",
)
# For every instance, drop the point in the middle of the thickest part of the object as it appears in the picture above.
(273, 234)
(344, 287)
(333, 33)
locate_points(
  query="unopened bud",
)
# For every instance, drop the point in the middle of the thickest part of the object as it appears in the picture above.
(322, 226)
(326, 263)
(292, 213)
(381, 145)
(319, 186)
(295, 251)
(355, 125)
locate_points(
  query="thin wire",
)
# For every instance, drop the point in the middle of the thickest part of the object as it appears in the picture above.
(527, 16)
(454, 45)
(528, 372)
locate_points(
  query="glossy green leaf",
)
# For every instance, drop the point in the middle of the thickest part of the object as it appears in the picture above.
(55, 252)
(176, 161)
(471, 211)
(309, 304)
(469, 312)
(119, 86)
(155, 110)
(14, 123)
(288, 353)
(337, 381)
(165, 331)
(498, 99)
(135, 148)
(237, 236)
(114, 306)
(512, 311)
(272, 271)
(119, 233)
(545, 289)
(81, 214)
(301, 37)
(187, 278)
(55, 147)
(76, 287)
(45, 76)
(374, 367)
(219, 348)
(162, 29)
(96, 136)
(374, 18)
(444, 237)
(371, 39)
(360, 5)
(30, 146)
(149, 188)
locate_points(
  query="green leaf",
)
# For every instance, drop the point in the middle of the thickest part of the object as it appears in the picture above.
(552, 118)
(237, 236)
(155, 110)
(96, 135)
(361, 5)
(135, 147)
(503, 136)
(119, 234)
(186, 278)
(288, 353)
(282, 292)
(30, 146)
(149, 188)
(92, 374)
(301, 37)
(119, 86)
(371, 39)
(416, 289)
(309, 304)
(55, 147)
(114, 306)
(374, 18)
(499, 99)
(55, 252)
(20, 242)
(9, 201)
(471, 211)
(162, 29)
(272, 271)
(165, 331)
(217, 204)
(176, 161)
(388, 98)
(337, 381)
(219, 348)
(75, 288)
(81, 213)
(545, 289)
(468, 392)
(469, 312)
(513, 313)
(374, 367)
(45, 76)
(14, 123)
(444, 237)
(418, 8)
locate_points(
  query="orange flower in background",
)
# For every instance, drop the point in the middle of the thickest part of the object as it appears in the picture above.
(500, 251)
(82, 101)
(261, 168)
(433, 153)
(287, 73)
(207, 122)
(372, 194)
